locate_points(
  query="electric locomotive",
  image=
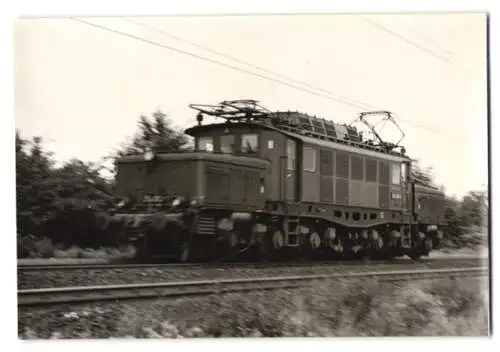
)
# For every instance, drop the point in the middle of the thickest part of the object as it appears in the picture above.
(269, 185)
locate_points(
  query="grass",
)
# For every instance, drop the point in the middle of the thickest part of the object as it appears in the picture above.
(44, 248)
(363, 308)
(102, 253)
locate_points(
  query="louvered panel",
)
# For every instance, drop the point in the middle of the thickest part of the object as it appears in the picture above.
(341, 131)
(330, 129)
(383, 172)
(356, 168)
(383, 196)
(342, 165)
(370, 170)
(371, 195)
(356, 193)
(206, 225)
(353, 134)
(305, 123)
(326, 189)
(341, 191)
(326, 162)
(318, 126)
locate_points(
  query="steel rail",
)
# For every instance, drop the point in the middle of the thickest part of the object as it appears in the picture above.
(85, 294)
(98, 266)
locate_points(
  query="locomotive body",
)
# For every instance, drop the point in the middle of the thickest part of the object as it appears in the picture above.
(270, 185)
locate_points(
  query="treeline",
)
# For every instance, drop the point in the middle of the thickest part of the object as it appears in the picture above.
(466, 220)
(59, 206)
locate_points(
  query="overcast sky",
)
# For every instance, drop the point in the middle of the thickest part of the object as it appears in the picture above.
(82, 88)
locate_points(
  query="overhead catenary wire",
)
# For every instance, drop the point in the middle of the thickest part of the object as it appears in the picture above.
(238, 60)
(168, 47)
(415, 44)
(260, 68)
(426, 38)
(207, 59)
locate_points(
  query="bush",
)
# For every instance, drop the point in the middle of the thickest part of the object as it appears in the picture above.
(124, 252)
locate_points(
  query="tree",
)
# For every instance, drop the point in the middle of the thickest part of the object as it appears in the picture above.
(57, 202)
(33, 168)
(474, 209)
(156, 134)
(421, 174)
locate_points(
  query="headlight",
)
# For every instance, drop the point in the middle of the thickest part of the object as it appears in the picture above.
(176, 202)
(149, 155)
(194, 202)
(121, 203)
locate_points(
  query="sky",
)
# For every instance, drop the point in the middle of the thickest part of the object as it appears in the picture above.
(83, 88)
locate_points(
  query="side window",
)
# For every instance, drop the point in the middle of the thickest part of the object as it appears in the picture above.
(227, 144)
(206, 144)
(309, 159)
(404, 171)
(396, 174)
(290, 154)
(249, 143)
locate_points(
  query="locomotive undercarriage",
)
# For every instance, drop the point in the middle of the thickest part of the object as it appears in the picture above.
(223, 235)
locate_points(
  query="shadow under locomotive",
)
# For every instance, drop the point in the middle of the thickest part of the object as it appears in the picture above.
(270, 185)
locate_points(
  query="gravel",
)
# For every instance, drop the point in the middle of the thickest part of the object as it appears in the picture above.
(114, 276)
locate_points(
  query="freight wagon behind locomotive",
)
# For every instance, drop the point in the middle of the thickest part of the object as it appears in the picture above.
(265, 184)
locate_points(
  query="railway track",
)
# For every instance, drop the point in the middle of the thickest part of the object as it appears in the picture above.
(95, 275)
(74, 295)
(106, 266)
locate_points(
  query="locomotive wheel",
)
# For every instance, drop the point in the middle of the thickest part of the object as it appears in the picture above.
(333, 243)
(270, 245)
(184, 246)
(232, 240)
(102, 221)
(428, 245)
(415, 256)
(230, 245)
(378, 246)
(311, 245)
(142, 253)
(278, 240)
(184, 252)
(423, 247)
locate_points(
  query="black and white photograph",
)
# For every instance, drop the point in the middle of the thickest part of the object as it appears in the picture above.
(252, 175)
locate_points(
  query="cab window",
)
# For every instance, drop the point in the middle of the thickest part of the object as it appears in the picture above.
(396, 174)
(249, 143)
(206, 144)
(309, 159)
(227, 144)
(290, 153)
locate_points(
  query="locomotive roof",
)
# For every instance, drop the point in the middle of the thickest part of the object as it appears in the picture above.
(310, 129)
(352, 147)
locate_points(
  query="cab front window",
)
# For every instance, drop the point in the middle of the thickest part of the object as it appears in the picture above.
(227, 144)
(249, 143)
(206, 144)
